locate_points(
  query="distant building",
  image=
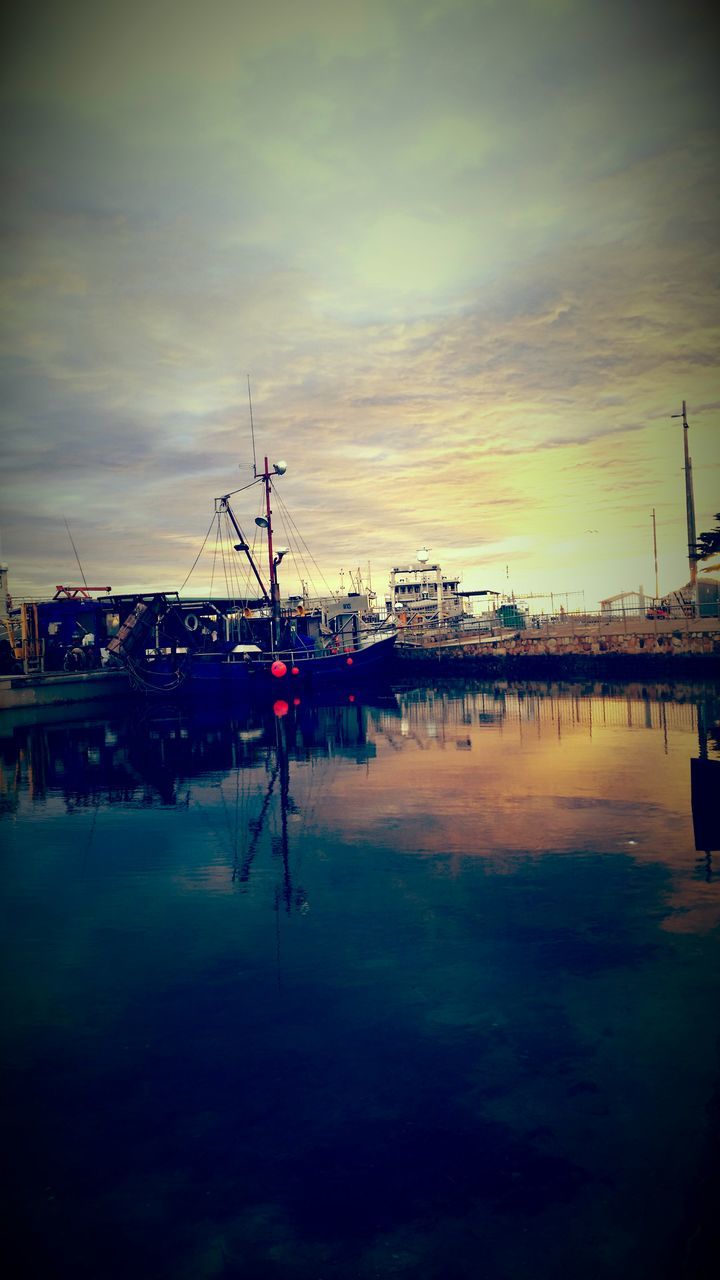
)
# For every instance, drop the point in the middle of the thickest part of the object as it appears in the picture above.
(625, 603)
(699, 599)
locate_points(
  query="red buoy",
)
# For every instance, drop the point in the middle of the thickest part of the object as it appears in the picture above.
(349, 661)
(278, 668)
(294, 671)
(280, 708)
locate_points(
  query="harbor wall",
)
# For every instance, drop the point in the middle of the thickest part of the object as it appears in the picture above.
(685, 650)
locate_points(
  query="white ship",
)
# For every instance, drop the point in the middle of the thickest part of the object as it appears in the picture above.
(421, 595)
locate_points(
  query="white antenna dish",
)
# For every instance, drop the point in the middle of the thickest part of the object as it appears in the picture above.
(423, 555)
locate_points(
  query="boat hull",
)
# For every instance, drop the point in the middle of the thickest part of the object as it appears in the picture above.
(58, 688)
(210, 674)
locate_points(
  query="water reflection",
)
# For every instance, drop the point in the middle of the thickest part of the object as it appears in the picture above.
(413, 986)
(152, 755)
(510, 734)
(149, 756)
(705, 786)
(143, 756)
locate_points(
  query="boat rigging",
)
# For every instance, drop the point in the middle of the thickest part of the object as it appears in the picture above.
(239, 639)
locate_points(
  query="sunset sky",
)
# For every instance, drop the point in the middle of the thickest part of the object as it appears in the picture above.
(466, 250)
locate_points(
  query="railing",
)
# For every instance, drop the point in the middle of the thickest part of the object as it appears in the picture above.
(485, 627)
(336, 645)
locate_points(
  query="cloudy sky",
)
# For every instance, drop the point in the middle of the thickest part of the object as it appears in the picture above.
(466, 250)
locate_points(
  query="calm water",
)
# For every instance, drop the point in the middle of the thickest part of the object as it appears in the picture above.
(420, 987)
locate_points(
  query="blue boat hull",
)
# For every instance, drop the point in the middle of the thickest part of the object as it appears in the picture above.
(225, 674)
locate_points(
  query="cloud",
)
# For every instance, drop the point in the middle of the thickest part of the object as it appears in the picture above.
(466, 252)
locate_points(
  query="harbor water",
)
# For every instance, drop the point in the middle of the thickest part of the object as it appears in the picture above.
(422, 984)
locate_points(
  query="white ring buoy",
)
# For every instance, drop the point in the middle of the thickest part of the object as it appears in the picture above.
(191, 622)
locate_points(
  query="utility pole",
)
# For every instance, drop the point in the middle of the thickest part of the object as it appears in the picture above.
(689, 500)
(657, 589)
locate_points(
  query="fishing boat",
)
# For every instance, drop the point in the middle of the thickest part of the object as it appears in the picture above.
(54, 651)
(250, 640)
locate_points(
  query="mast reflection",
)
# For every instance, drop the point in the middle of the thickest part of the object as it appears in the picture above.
(151, 758)
(170, 757)
(174, 755)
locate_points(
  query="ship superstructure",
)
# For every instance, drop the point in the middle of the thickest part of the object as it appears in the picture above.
(422, 595)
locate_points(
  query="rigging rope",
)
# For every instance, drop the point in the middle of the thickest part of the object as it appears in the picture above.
(238, 583)
(301, 540)
(217, 540)
(207, 535)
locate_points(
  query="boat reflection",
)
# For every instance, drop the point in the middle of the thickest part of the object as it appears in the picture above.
(236, 767)
(151, 754)
(150, 758)
(248, 947)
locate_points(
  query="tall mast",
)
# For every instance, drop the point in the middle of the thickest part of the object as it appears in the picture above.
(223, 504)
(689, 499)
(274, 589)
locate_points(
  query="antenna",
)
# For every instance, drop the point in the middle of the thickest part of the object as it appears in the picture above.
(252, 427)
(657, 589)
(67, 526)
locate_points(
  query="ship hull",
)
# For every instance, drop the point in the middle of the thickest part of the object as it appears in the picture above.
(58, 688)
(214, 674)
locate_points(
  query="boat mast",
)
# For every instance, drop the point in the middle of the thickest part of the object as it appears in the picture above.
(273, 562)
(223, 504)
